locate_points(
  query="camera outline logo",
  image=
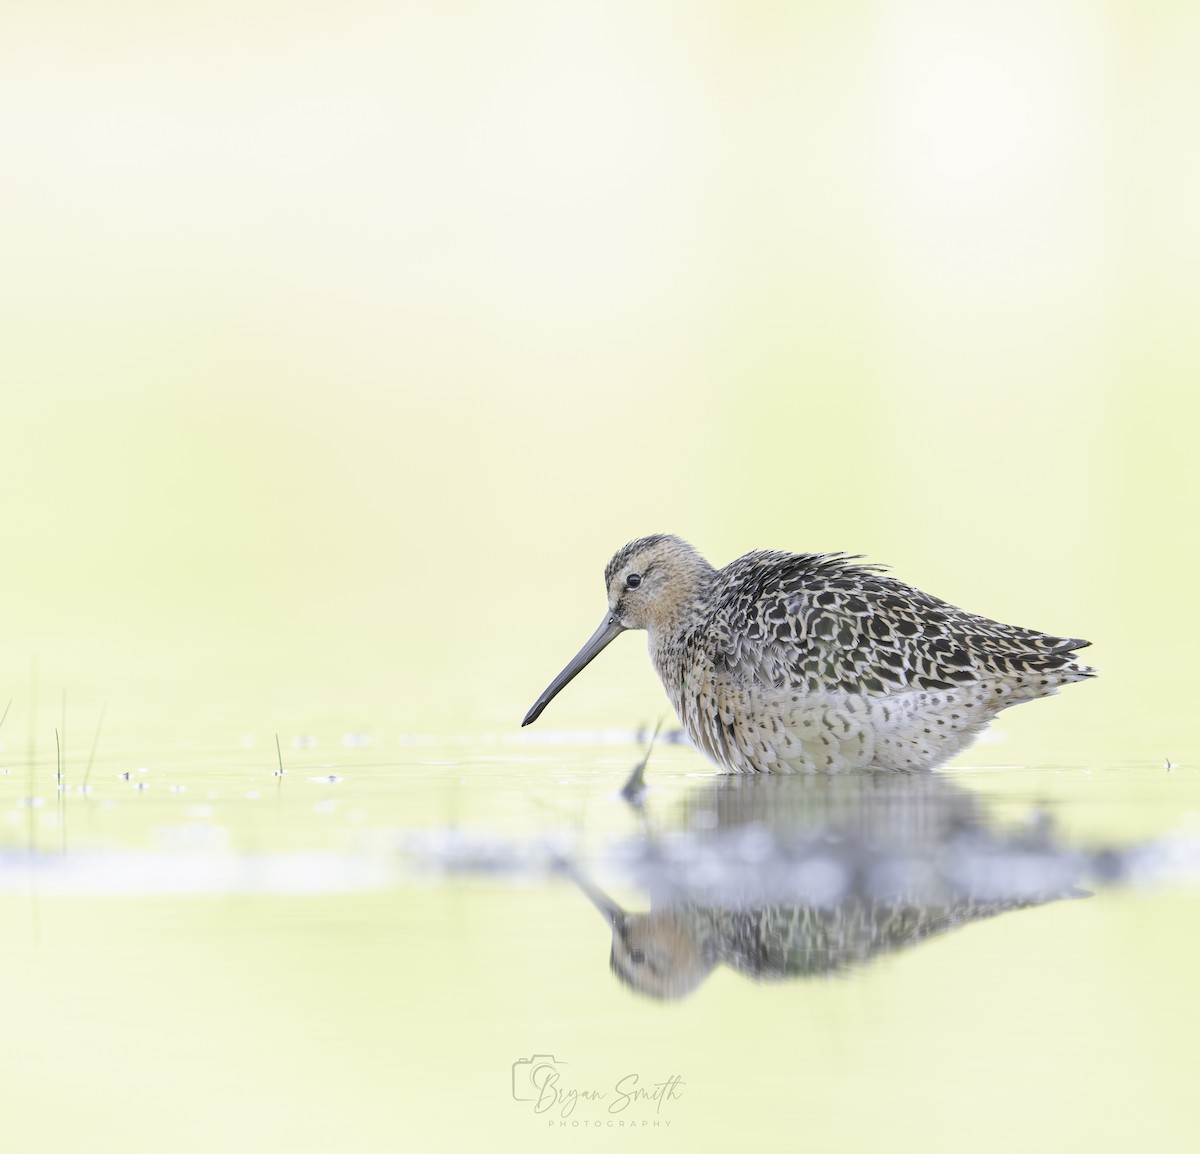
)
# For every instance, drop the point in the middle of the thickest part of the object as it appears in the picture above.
(528, 1078)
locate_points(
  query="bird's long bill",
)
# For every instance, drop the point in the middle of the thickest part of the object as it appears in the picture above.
(609, 628)
(613, 914)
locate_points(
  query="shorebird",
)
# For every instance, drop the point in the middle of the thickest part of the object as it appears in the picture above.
(814, 662)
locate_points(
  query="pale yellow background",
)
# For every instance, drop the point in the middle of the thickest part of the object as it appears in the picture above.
(340, 346)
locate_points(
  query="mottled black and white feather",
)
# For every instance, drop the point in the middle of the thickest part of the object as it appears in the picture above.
(817, 662)
(817, 621)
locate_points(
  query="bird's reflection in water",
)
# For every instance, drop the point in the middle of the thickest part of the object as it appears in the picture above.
(794, 877)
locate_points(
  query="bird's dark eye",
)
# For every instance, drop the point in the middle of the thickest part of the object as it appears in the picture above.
(633, 580)
(637, 957)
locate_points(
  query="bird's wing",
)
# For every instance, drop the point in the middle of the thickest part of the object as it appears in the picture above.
(814, 622)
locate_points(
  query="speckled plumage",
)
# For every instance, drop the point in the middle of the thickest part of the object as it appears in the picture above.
(667, 953)
(784, 663)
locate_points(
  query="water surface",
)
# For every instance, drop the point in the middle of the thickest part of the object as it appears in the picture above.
(441, 939)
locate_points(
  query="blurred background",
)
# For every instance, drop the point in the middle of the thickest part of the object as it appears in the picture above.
(342, 344)
(340, 347)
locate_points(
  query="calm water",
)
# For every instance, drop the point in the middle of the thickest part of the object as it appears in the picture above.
(332, 385)
(434, 940)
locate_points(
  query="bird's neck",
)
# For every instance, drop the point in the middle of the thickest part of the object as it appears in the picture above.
(679, 621)
(686, 609)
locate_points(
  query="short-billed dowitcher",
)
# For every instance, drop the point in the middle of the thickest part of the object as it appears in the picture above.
(813, 662)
